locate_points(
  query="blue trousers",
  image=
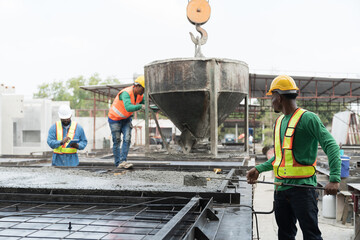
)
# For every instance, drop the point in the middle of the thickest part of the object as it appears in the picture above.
(297, 204)
(117, 128)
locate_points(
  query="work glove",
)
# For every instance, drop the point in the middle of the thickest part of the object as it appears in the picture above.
(142, 106)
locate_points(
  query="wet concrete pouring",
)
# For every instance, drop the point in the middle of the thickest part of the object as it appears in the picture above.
(102, 202)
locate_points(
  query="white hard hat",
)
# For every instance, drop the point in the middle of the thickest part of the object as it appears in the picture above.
(64, 112)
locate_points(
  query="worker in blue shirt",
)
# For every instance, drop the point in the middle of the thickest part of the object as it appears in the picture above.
(66, 137)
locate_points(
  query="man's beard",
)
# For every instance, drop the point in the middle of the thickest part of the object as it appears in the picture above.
(66, 123)
(277, 111)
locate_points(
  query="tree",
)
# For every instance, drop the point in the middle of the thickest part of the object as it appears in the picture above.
(70, 91)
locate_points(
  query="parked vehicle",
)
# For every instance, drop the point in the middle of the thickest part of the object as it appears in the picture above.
(229, 138)
(158, 140)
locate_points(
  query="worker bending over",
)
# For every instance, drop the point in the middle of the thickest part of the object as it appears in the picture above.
(297, 135)
(60, 135)
(126, 102)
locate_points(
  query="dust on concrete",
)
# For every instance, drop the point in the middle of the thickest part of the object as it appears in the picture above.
(139, 180)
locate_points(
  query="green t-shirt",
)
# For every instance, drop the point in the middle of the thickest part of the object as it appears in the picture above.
(125, 97)
(309, 132)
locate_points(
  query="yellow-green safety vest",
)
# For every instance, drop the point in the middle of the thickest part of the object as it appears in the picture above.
(285, 164)
(59, 136)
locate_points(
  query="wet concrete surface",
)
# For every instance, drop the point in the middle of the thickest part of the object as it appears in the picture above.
(138, 180)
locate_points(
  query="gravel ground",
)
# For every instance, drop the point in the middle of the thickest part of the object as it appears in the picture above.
(145, 180)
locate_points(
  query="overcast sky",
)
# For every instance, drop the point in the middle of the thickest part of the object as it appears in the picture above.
(46, 40)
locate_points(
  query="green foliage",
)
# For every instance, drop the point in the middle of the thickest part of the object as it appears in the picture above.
(268, 133)
(325, 110)
(44, 91)
(70, 90)
(268, 118)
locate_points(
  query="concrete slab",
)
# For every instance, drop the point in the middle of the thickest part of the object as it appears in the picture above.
(142, 180)
(193, 180)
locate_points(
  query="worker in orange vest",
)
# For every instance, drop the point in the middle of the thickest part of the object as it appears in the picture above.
(297, 134)
(126, 102)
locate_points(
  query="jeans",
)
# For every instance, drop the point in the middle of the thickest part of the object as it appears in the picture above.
(117, 128)
(297, 204)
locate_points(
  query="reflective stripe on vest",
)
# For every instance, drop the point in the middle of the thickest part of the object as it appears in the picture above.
(117, 110)
(59, 136)
(285, 164)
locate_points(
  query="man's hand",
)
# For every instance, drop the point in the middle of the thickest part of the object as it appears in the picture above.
(252, 175)
(154, 108)
(74, 145)
(142, 106)
(331, 188)
(64, 140)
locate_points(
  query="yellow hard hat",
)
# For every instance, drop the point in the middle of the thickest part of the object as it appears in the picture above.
(283, 84)
(141, 81)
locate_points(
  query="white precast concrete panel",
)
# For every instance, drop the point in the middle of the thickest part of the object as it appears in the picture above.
(102, 131)
(7, 89)
(138, 133)
(340, 126)
(32, 130)
(1, 102)
(12, 107)
(46, 123)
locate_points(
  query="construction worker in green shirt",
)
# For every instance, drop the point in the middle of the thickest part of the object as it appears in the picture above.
(297, 134)
(126, 102)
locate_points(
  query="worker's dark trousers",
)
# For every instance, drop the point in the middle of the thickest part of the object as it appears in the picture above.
(297, 204)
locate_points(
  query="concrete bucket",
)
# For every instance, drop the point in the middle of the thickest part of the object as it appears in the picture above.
(182, 89)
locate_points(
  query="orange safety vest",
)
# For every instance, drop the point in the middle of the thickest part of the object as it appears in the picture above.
(285, 164)
(117, 110)
(59, 136)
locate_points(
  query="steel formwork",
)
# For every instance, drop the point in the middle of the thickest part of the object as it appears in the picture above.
(159, 218)
(39, 213)
(68, 221)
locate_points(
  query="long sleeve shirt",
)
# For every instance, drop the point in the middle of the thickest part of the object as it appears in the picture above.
(125, 97)
(68, 160)
(309, 132)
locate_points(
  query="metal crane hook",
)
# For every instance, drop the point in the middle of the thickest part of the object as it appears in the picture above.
(198, 41)
(198, 13)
